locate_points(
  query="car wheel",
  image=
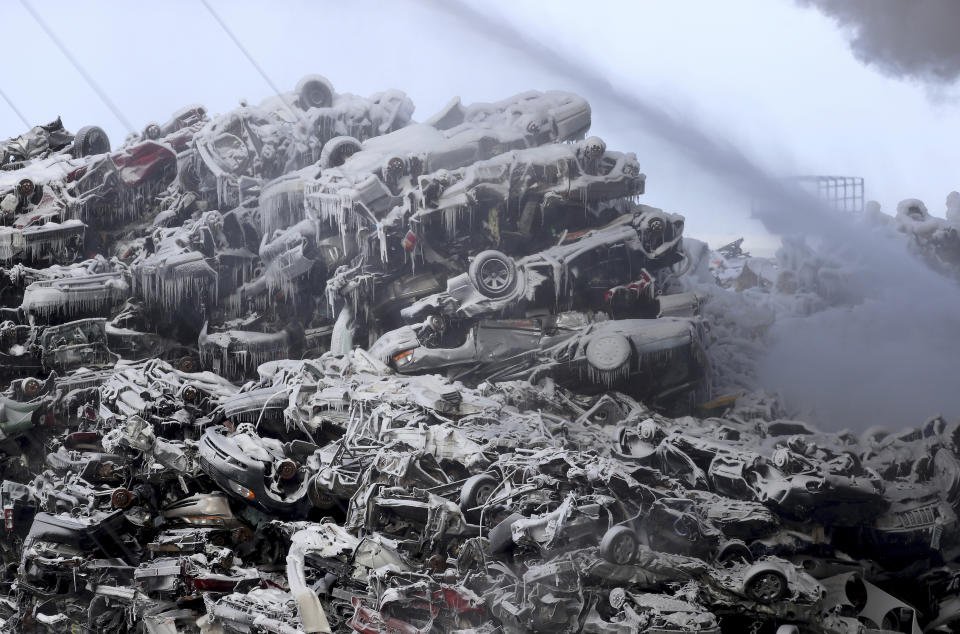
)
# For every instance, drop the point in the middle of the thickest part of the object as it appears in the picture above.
(609, 358)
(31, 387)
(314, 91)
(90, 140)
(152, 131)
(766, 586)
(493, 273)
(121, 498)
(188, 364)
(477, 490)
(501, 536)
(619, 545)
(337, 150)
(734, 550)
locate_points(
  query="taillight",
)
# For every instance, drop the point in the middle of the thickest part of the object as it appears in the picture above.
(410, 241)
(79, 438)
(8, 517)
(213, 585)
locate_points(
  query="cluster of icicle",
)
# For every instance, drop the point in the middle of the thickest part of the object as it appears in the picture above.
(278, 282)
(281, 210)
(7, 249)
(130, 204)
(90, 301)
(242, 358)
(40, 244)
(171, 290)
(606, 378)
(235, 305)
(452, 218)
(335, 210)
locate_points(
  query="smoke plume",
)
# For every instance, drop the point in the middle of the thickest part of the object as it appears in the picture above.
(902, 38)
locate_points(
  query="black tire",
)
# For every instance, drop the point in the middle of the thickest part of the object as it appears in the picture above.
(766, 586)
(619, 545)
(337, 150)
(90, 140)
(188, 364)
(734, 550)
(476, 490)
(31, 387)
(314, 91)
(493, 273)
(501, 536)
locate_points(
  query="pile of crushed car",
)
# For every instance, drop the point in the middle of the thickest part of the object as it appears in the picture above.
(311, 366)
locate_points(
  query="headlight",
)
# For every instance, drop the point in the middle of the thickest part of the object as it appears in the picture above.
(240, 490)
(404, 358)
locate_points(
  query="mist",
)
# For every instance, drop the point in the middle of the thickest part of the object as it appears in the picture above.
(916, 39)
(887, 361)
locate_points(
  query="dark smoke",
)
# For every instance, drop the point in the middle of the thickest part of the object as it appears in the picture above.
(901, 38)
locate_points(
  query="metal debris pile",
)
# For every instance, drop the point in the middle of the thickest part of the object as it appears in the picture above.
(311, 366)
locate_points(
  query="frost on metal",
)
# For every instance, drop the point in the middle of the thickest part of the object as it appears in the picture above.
(311, 366)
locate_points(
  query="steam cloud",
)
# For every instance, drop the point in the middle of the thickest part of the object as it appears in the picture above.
(902, 38)
(889, 361)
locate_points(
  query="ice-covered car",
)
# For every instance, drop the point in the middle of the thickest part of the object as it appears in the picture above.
(578, 272)
(256, 470)
(62, 299)
(653, 612)
(57, 547)
(29, 349)
(232, 156)
(122, 185)
(655, 359)
(179, 128)
(236, 353)
(42, 242)
(43, 140)
(519, 200)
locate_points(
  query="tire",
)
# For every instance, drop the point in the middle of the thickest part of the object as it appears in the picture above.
(608, 353)
(619, 545)
(90, 140)
(188, 364)
(314, 91)
(152, 131)
(31, 387)
(493, 273)
(477, 490)
(608, 360)
(734, 550)
(766, 586)
(501, 537)
(337, 150)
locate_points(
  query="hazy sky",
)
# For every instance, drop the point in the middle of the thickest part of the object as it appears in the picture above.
(775, 79)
